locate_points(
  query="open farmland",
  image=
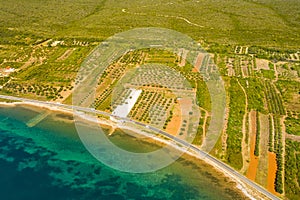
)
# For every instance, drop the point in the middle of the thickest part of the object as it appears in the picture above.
(254, 43)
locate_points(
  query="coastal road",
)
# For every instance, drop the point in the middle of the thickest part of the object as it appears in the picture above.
(224, 167)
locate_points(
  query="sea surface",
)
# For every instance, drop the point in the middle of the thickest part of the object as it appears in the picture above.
(48, 161)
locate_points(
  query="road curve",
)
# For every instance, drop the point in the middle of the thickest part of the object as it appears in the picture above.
(220, 164)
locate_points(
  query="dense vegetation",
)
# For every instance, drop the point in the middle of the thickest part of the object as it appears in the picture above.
(276, 22)
(292, 166)
(278, 149)
(255, 91)
(235, 121)
(292, 126)
(257, 137)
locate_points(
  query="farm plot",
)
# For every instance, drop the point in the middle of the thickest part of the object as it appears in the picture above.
(294, 56)
(257, 137)
(207, 69)
(193, 79)
(39, 91)
(234, 127)
(155, 56)
(46, 77)
(278, 150)
(66, 54)
(252, 169)
(14, 56)
(245, 67)
(113, 74)
(255, 93)
(292, 166)
(239, 66)
(274, 101)
(290, 94)
(292, 125)
(122, 108)
(221, 61)
(148, 75)
(201, 61)
(272, 168)
(238, 50)
(202, 128)
(241, 50)
(182, 57)
(262, 170)
(167, 100)
(134, 57)
(268, 53)
(106, 85)
(229, 65)
(262, 64)
(154, 107)
(289, 71)
(273, 163)
(160, 76)
(190, 123)
(103, 101)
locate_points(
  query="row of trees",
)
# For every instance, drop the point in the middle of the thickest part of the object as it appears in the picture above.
(257, 138)
(278, 150)
(275, 104)
(292, 165)
(234, 126)
(48, 91)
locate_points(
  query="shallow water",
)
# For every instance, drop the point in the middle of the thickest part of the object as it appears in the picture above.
(48, 161)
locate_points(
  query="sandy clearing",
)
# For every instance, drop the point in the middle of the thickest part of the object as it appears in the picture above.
(175, 123)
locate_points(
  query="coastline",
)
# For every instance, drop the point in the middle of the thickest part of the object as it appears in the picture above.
(248, 191)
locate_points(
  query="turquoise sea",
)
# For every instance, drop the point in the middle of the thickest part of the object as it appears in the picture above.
(48, 161)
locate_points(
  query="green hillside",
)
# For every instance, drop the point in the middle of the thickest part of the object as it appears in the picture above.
(263, 22)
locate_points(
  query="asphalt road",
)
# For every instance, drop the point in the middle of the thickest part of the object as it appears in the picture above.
(203, 154)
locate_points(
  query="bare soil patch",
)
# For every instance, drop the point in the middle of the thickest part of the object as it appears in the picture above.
(262, 64)
(175, 123)
(199, 61)
(185, 108)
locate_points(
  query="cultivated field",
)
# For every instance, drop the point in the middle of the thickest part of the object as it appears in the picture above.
(254, 44)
